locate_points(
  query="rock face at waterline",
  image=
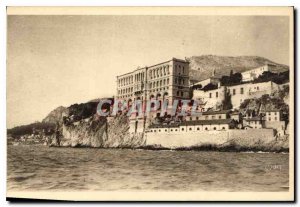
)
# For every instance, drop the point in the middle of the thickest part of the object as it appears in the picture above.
(101, 132)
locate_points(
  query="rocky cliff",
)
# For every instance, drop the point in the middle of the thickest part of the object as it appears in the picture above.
(101, 132)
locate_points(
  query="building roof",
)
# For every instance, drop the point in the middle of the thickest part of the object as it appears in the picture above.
(164, 125)
(206, 122)
(190, 123)
(253, 119)
(235, 113)
(141, 68)
(215, 112)
(272, 110)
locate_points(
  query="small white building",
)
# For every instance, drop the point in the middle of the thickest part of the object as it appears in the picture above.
(253, 123)
(273, 120)
(213, 80)
(250, 90)
(194, 126)
(254, 73)
(209, 115)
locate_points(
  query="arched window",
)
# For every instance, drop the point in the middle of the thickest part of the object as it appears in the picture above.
(164, 82)
(168, 81)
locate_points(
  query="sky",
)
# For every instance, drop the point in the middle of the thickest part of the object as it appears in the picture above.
(61, 60)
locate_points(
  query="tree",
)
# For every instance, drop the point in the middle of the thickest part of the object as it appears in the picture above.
(233, 79)
(226, 103)
(209, 87)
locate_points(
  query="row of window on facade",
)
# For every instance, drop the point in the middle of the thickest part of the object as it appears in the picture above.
(213, 117)
(233, 93)
(129, 79)
(188, 129)
(164, 70)
(159, 89)
(159, 83)
(125, 91)
(158, 72)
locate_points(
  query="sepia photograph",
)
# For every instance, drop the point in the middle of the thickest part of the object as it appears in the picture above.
(150, 103)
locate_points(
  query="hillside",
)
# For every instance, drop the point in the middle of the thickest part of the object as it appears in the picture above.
(201, 67)
(55, 115)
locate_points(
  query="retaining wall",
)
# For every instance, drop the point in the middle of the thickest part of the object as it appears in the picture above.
(189, 139)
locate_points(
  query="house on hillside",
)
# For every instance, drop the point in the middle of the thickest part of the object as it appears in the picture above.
(254, 73)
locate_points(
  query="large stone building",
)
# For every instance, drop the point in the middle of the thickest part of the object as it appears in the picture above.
(163, 81)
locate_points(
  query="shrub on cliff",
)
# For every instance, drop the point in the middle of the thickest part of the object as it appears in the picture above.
(83, 110)
(279, 78)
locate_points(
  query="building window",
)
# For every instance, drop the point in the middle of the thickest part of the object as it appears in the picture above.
(190, 129)
(198, 128)
(154, 130)
(220, 117)
(171, 130)
(197, 118)
(242, 90)
(177, 93)
(159, 130)
(215, 128)
(209, 95)
(223, 127)
(269, 119)
(191, 118)
(182, 93)
(182, 129)
(233, 92)
(206, 128)
(166, 130)
(257, 88)
(217, 94)
(213, 117)
(176, 130)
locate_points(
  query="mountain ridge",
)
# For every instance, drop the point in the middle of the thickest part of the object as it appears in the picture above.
(202, 67)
